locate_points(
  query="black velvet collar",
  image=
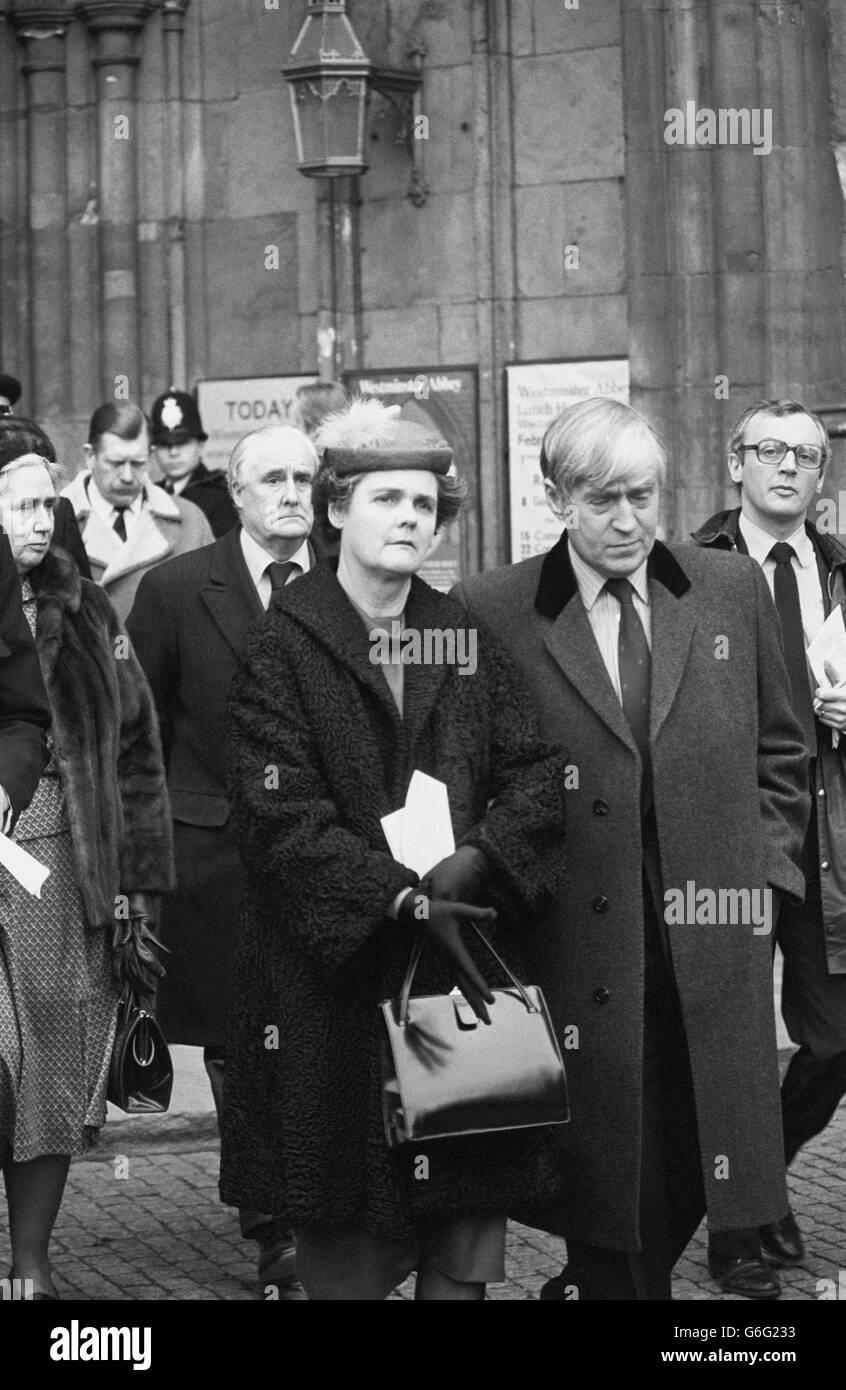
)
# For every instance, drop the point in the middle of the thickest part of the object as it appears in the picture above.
(558, 583)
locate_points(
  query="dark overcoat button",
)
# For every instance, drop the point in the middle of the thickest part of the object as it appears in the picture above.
(600, 904)
(601, 995)
(600, 808)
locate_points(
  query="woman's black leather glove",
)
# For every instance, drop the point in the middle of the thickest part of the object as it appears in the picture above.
(460, 877)
(134, 950)
(440, 923)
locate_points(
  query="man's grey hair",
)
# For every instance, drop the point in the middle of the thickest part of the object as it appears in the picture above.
(285, 436)
(599, 441)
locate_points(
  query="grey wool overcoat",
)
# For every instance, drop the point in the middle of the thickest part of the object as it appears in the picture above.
(318, 755)
(731, 801)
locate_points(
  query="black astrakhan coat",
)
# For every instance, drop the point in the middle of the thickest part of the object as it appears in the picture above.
(319, 754)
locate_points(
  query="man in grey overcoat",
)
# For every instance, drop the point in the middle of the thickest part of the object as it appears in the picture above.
(659, 669)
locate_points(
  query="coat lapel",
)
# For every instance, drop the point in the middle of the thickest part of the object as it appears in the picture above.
(102, 545)
(570, 641)
(423, 681)
(672, 631)
(230, 595)
(146, 546)
(572, 644)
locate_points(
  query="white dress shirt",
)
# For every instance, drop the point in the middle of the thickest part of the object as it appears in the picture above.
(804, 565)
(104, 509)
(603, 611)
(257, 560)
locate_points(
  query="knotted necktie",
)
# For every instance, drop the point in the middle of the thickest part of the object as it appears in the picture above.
(167, 484)
(119, 523)
(786, 595)
(278, 572)
(635, 676)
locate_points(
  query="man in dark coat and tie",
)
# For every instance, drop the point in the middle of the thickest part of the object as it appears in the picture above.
(659, 669)
(188, 625)
(177, 434)
(777, 455)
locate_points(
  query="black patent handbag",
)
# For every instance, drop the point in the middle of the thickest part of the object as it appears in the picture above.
(140, 1072)
(446, 1074)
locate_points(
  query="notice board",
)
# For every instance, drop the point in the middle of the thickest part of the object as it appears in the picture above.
(536, 393)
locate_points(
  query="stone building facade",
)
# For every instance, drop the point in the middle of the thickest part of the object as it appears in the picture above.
(139, 251)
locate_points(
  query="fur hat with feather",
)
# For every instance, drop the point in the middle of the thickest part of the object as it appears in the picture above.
(369, 437)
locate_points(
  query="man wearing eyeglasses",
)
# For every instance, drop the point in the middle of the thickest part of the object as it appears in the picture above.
(777, 455)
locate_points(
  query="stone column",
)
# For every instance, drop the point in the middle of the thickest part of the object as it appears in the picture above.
(734, 279)
(496, 292)
(115, 25)
(41, 30)
(173, 27)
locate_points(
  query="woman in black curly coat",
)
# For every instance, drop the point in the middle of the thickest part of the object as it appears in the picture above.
(324, 739)
(100, 822)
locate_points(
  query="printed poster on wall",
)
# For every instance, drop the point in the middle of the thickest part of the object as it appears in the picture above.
(446, 398)
(537, 392)
(229, 409)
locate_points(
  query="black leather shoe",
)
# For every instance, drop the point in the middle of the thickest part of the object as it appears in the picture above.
(555, 1290)
(286, 1291)
(277, 1263)
(748, 1278)
(781, 1242)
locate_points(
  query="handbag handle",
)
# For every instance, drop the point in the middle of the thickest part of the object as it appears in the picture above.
(416, 953)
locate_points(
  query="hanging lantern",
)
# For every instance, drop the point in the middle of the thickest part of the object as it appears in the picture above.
(328, 73)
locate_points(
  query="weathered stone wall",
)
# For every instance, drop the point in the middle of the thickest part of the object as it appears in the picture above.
(545, 131)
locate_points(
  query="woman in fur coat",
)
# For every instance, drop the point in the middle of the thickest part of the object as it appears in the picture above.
(100, 822)
(327, 727)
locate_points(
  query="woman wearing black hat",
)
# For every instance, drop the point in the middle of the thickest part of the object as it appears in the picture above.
(100, 822)
(324, 739)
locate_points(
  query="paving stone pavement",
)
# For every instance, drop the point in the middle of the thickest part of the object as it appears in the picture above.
(142, 1220)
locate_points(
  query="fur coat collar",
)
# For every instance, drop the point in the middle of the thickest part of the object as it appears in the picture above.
(106, 741)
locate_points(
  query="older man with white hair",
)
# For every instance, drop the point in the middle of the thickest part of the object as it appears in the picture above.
(188, 625)
(687, 803)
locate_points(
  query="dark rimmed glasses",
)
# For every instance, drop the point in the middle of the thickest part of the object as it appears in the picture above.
(772, 451)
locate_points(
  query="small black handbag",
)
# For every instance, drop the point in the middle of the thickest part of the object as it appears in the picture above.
(140, 1072)
(446, 1074)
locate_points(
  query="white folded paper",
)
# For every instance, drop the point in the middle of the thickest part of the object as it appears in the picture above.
(829, 646)
(828, 649)
(420, 834)
(22, 866)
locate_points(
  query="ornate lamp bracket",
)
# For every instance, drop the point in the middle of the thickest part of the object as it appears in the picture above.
(402, 90)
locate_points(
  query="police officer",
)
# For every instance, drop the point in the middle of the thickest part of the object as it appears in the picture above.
(177, 433)
(10, 393)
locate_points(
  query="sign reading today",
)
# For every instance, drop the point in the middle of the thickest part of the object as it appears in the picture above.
(230, 409)
(537, 392)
